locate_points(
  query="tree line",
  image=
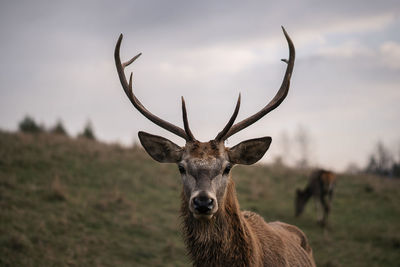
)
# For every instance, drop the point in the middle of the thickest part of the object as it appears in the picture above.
(30, 126)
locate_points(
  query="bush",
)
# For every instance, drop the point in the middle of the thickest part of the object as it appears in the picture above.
(28, 125)
(59, 129)
(88, 132)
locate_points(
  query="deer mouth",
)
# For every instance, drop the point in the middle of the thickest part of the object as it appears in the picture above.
(202, 216)
(203, 213)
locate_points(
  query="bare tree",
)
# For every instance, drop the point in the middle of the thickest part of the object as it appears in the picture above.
(285, 143)
(384, 157)
(302, 139)
(381, 160)
(372, 166)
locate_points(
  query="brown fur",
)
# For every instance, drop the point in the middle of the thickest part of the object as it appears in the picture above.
(203, 149)
(236, 238)
(321, 185)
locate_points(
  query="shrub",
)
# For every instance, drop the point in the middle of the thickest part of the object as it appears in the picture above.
(28, 125)
(59, 129)
(88, 132)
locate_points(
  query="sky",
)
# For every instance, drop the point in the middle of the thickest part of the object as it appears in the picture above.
(57, 63)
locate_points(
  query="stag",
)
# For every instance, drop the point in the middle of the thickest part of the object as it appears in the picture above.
(216, 232)
(320, 186)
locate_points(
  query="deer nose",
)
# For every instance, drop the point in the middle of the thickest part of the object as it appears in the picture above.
(203, 204)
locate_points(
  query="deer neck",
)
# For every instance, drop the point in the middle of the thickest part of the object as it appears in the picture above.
(222, 240)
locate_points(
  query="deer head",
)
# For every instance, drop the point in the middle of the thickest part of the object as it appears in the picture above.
(205, 166)
(300, 201)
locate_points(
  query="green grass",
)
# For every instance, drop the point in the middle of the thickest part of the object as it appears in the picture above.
(68, 202)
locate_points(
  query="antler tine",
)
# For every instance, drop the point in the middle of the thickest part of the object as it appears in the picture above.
(279, 97)
(136, 103)
(222, 134)
(129, 62)
(186, 122)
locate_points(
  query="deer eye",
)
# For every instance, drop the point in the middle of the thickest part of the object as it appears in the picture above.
(181, 169)
(227, 169)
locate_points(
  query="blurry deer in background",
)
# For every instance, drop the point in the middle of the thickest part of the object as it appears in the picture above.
(320, 185)
(216, 232)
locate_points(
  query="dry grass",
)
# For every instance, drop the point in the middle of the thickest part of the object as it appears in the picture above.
(57, 190)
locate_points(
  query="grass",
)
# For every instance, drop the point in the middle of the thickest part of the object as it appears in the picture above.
(76, 202)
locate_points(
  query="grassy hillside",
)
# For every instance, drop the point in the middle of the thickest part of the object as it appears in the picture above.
(82, 203)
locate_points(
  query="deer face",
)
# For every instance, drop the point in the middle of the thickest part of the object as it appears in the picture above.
(205, 171)
(204, 167)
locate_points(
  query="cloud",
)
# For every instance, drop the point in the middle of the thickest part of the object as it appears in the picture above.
(390, 54)
(211, 59)
(348, 49)
(319, 32)
(367, 23)
(385, 55)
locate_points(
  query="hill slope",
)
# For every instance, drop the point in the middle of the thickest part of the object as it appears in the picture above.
(83, 203)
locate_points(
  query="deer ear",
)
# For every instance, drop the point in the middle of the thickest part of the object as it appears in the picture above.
(160, 148)
(250, 151)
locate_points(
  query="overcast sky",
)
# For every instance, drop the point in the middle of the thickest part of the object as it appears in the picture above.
(56, 62)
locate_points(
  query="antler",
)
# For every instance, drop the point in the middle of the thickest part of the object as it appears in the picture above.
(221, 134)
(187, 135)
(274, 103)
(186, 122)
(228, 130)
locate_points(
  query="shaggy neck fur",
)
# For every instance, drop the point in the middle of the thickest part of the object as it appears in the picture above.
(222, 241)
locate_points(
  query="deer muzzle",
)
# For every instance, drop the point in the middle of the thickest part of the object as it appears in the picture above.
(203, 205)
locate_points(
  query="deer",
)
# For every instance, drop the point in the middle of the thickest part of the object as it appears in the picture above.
(215, 231)
(320, 185)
